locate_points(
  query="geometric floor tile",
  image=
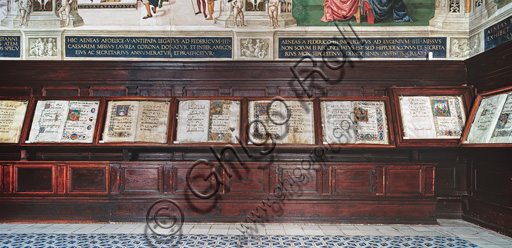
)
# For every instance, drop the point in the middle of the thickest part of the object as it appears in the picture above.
(208, 240)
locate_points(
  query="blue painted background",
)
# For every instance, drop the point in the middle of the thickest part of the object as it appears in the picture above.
(364, 48)
(498, 33)
(149, 47)
(10, 46)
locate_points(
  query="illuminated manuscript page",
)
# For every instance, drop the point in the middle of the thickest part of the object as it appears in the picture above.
(417, 119)
(208, 121)
(12, 114)
(224, 121)
(80, 122)
(297, 130)
(370, 123)
(152, 122)
(449, 116)
(338, 126)
(485, 119)
(356, 122)
(48, 122)
(121, 122)
(503, 129)
(192, 121)
(434, 117)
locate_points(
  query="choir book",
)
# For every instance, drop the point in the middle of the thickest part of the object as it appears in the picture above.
(354, 122)
(12, 115)
(432, 117)
(64, 121)
(492, 123)
(137, 121)
(208, 121)
(286, 122)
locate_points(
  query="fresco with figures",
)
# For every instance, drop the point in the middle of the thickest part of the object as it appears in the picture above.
(246, 29)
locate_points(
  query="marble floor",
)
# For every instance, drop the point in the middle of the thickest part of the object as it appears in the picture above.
(459, 233)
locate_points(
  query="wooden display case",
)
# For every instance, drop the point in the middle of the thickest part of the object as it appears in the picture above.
(170, 122)
(490, 104)
(454, 103)
(235, 141)
(387, 122)
(282, 122)
(357, 183)
(30, 119)
(26, 116)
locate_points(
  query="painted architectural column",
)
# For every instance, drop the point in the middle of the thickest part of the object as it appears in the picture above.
(451, 15)
(255, 14)
(12, 12)
(42, 14)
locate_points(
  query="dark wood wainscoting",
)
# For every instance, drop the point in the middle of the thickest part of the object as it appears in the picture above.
(72, 183)
(490, 203)
(124, 191)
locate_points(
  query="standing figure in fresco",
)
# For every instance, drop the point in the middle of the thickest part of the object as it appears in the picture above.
(339, 10)
(199, 8)
(382, 9)
(238, 12)
(66, 7)
(273, 12)
(210, 9)
(25, 7)
(146, 3)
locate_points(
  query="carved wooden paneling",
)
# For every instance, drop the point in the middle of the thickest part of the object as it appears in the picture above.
(202, 91)
(198, 174)
(7, 176)
(88, 179)
(298, 181)
(492, 69)
(141, 179)
(297, 91)
(489, 214)
(108, 91)
(353, 180)
(344, 91)
(492, 178)
(122, 191)
(154, 91)
(2, 180)
(61, 91)
(61, 178)
(247, 179)
(429, 181)
(405, 180)
(248, 91)
(490, 181)
(15, 91)
(451, 171)
(35, 179)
